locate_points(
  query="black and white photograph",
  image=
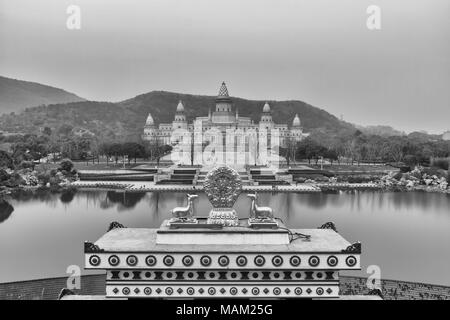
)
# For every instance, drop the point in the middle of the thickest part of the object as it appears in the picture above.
(246, 153)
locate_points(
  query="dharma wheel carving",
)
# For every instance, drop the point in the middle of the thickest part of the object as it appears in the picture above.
(222, 187)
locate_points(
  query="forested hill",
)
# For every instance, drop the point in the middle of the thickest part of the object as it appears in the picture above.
(162, 105)
(125, 120)
(16, 95)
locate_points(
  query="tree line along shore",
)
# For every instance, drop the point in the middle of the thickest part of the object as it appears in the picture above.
(51, 159)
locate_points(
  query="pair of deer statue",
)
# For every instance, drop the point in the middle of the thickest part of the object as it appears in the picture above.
(256, 211)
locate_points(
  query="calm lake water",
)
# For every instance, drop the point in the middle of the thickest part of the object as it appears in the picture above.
(406, 234)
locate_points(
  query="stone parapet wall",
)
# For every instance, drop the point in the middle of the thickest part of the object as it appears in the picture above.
(49, 289)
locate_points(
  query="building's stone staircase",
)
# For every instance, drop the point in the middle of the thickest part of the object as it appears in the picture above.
(181, 176)
(242, 174)
(264, 176)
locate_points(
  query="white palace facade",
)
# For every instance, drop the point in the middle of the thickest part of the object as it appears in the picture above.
(223, 118)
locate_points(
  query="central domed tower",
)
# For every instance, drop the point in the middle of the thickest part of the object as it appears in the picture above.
(223, 113)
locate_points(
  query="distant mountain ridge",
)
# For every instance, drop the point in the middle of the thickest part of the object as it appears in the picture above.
(380, 130)
(16, 95)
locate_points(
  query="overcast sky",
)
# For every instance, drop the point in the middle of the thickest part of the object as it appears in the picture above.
(318, 51)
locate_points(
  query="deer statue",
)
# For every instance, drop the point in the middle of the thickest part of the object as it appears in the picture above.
(184, 213)
(257, 212)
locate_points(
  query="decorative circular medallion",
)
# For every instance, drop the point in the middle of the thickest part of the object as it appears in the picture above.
(233, 291)
(275, 275)
(132, 260)
(277, 261)
(211, 291)
(259, 261)
(168, 260)
(298, 291)
(319, 291)
(256, 275)
(332, 261)
(94, 260)
(314, 261)
(205, 261)
(212, 275)
(190, 291)
(276, 291)
(150, 275)
(188, 261)
(191, 275)
(114, 260)
(222, 187)
(224, 261)
(126, 291)
(350, 261)
(169, 291)
(295, 261)
(241, 261)
(147, 291)
(150, 261)
(255, 291)
(233, 275)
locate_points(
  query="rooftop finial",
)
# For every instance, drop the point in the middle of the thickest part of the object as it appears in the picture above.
(223, 91)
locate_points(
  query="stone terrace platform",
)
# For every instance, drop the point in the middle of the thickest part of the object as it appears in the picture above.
(144, 186)
(151, 187)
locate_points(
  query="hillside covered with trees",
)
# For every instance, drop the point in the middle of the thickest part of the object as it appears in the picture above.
(16, 95)
(125, 120)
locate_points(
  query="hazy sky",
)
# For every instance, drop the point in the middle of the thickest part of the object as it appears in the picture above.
(318, 51)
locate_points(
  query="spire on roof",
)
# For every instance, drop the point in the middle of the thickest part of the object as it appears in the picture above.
(180, 106)
(149, 121)
(296, 122)
(223, 91)
(266, 107)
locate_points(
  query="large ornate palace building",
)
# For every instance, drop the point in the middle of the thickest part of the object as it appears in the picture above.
(223, 118)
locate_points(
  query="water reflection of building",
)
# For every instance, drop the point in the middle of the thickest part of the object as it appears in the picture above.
(126, 200)
(223, 118)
